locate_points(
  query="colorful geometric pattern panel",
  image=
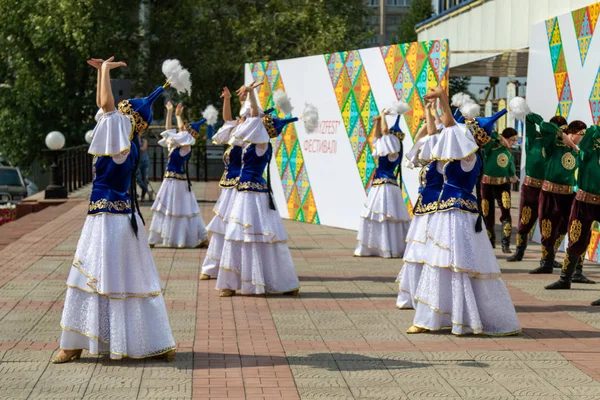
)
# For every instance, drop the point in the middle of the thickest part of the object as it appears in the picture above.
(595, 99)
(413, 68)
(593, 251)
(357, 105)
(559, 66)
(287, 150)
(584, 21)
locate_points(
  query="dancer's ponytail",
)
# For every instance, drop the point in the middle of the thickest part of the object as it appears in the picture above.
(479, 222)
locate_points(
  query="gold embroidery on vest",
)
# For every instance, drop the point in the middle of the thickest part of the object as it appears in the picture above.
(568, 161)
(502, 160)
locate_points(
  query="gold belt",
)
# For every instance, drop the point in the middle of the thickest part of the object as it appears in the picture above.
(586, 197)
(533, 182)
(557, 188)
(492, 180)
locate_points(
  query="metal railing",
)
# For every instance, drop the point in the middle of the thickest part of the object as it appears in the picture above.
(205, 164)
(73, 165)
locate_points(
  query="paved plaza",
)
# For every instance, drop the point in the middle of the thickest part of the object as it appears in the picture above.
(341, 338)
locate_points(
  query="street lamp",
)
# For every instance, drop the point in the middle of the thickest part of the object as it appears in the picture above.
(55, 190)
(88, 137)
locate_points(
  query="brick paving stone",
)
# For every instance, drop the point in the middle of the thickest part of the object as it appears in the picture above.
(342, 338)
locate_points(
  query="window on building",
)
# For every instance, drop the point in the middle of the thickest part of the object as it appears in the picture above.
(444, 5)
(373, 3)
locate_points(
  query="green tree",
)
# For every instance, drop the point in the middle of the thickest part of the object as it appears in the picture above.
(419, 11)
(460, 84)
(46, 84)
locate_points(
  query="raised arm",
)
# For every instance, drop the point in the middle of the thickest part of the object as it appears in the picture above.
(384, 125)
(429, 120)
(421, 133)
(178, 112)
(226, 96)
(438, 120)
(438, 93)
(377, 126)
(107, 101)
(169, 117)
(97, 63)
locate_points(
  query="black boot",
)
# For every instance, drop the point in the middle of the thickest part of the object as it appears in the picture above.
(546, 266)
(557, 265)
(596, 303)
(521, 246)
(578, 276)
(564, 282)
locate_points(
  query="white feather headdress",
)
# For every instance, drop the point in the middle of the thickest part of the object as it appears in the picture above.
(470, 110)
(177, 76)
(310, 117)
(399, 108)
(282, 102)
(461, 99)
(211, 114)
(519, 108)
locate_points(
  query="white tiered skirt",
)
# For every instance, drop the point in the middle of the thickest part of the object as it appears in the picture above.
(217, 228)
(114, 303)
(452, 278)
(384, 224)
(255, 257)
(176, 221)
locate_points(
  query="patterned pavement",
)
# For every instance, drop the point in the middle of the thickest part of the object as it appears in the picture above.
(342, 338)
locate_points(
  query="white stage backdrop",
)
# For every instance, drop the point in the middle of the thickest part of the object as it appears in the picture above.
(564, 73)
(324, 177)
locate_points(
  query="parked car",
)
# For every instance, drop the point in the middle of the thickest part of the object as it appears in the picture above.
(12, 185)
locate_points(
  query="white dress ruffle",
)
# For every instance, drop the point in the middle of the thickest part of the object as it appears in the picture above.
(114, 302)
(255, 257)
(217, 228)
(420, 154)
(223, 135)
(459, 285)
(385, 145)
(454, 143)
(176, 221)
(172, 138)
(111, 135)
(384, 224)
(252, 130)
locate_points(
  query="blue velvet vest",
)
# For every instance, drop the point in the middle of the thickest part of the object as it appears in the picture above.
(430, 187)
(111, 184)
(253, 168)
(232, 158)
(385, 171)
(176, 165)
(458, 191)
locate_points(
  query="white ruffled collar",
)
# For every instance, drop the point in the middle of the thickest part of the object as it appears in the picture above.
(224, 133)
(112, 134)
(455, 143)
(176, 139)
(251, 131)
(385, 145)
(420, 154)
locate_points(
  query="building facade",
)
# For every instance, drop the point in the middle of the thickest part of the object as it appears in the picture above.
(393, 11)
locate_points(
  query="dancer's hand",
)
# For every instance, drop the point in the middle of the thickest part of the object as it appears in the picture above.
(255, 84)
(242, 91)
(434, 93)
(377, 118)
(95, 62)
(226, 94)
(179, 110)
(169, 106)
(514, 179)
(110, 64)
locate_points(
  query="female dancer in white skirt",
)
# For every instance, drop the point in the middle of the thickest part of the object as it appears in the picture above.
(460, 285)
(385, 219)
(232, 158)
(114, 303)
(255, 257)
(177, 221)
(431, 181)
